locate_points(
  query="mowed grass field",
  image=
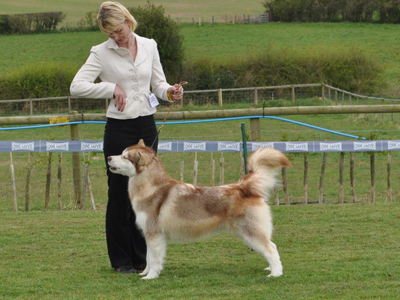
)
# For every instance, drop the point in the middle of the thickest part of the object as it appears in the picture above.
(182, 11)
(344, 251)
(328, 252)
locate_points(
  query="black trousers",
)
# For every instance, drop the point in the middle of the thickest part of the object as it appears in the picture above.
(125, 242)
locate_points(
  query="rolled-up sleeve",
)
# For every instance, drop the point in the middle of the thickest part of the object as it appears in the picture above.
(83, 83)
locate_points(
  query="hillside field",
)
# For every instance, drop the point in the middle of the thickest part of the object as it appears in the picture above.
(223, 43)
(182, 11)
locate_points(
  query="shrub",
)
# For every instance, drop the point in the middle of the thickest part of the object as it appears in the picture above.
(27, 23)
(152, 23)
(37, 81)
(349, 70)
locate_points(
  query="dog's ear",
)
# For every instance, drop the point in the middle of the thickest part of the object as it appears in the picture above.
(138, 157)
(141, 143)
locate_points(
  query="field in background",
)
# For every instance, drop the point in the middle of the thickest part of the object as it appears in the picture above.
(178, 10)
(224, 42)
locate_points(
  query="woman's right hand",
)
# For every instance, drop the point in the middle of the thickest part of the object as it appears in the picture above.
(120, 98)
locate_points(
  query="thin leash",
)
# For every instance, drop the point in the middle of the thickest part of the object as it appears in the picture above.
(177, 85)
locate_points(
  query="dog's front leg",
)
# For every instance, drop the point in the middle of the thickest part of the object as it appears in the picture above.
(146, 270)
(156, 250)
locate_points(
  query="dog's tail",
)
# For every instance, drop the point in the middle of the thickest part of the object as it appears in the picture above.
(263, 166)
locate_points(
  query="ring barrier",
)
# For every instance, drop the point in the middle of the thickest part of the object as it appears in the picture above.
(193, 122)
(207, 146)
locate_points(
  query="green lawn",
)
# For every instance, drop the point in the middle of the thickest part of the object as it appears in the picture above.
(328, 252)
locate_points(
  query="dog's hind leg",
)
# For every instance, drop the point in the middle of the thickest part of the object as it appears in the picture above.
(276, 249)
(256, 229)
(259, 241)
(156, 250)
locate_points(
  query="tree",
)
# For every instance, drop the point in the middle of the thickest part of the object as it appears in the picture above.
(152, 23)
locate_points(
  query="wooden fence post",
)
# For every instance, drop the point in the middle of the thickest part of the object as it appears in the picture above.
(220, 100)
(28, 182)
(31, 107)
(13, 183)
(255, 129)
(341, 176)
(285, 185)
(321, 179)
(305, 183)
(352, 181)
(59, 181)
(221, 169)
(195, 169)
(69, 105)
(182, 170)
(336, 97)
(389, 185)
(372, 161)
(255, 96)
(48, 180)
(276, 193)
(85, 179)
(212, 170)
(76, 168)
(293, 94)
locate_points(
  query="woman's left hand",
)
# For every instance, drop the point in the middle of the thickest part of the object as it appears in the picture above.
(176, 92)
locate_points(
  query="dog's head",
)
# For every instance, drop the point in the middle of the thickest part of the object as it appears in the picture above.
(132, 161)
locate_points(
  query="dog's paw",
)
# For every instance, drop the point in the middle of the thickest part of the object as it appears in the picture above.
(150, 277)
(276, 274)
(267, 269)
(145, 272)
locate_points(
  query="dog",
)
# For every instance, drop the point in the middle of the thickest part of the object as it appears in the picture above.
(168, 210)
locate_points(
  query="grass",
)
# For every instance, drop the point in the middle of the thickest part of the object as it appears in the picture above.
(223, 42)
(328, 252)
(75, 10)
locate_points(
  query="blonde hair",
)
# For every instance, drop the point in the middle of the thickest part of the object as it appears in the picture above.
(112, 15)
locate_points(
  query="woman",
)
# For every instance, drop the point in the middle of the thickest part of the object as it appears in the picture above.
(128, 65)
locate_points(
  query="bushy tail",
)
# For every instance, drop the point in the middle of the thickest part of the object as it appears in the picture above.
(263, 166)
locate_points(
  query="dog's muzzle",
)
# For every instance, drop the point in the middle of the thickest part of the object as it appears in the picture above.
(109, 160)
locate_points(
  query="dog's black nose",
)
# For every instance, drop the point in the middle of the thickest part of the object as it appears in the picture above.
(109, 158)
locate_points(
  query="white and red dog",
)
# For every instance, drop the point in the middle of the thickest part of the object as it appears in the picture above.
(170, 210)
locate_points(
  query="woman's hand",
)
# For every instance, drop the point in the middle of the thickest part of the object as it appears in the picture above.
(120, 98)
(176, 91)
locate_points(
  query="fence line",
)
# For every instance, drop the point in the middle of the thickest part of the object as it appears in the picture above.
(317, 185)
(322, 94)
(209, 146)
(214, 97)
(222, 96)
